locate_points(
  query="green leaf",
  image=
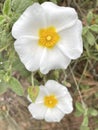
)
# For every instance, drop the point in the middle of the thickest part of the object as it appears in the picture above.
(20, 5)
(79, 107)
(7, 7)
(16, 86)
(33, 92)
(90, 38)
(84, 128)
(90, 17)
(78, 114)
(18, 66)
(85, 121)
(3, 87)
(92, 112)
(85, 30)
(2, 19)
(94, 28)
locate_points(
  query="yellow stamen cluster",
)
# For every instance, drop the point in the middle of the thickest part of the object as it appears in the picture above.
(50, 101)
(48, 37)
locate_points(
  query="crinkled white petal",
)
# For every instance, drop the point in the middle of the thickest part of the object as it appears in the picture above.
(53, 59)
(54, 115)
(65, 104)
(37, 110)
(60, 17)
(71, 41)
(56, 88)
(29, 52)
(29, 22)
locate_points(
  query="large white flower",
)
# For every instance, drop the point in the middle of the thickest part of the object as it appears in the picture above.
(52, 103)
(48, 37)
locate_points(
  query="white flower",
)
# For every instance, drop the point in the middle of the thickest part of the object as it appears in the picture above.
(52, 103)
(48, 37)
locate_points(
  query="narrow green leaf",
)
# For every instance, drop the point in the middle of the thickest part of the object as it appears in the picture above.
(7, 7)
(16, 86)
(79, 107)
(85, 121)
(92, 112)
(84, 128)
(90, 38)
(85, 30)
(3, 87)
(33, 92)
(94, 28)
(90, 17)
(1, 19)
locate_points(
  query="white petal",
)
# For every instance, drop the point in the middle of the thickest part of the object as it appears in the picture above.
(29, 52)
(54, 115)
(65, 104)
(60, 17)
(37, 110)
(71, 41)
(42, 93)
(55, 88)
(29, 22)
(53, 59)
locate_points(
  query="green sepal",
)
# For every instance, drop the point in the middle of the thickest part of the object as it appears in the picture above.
(33, 92)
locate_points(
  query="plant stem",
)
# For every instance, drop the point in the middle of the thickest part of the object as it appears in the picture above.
(82, 101)
(32, 79)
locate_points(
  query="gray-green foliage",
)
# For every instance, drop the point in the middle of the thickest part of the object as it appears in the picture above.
(18, 6)
(7, 8)
(90, 35)
(85, 113)
(9, 61)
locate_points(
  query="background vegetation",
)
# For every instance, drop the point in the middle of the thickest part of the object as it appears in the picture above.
(81, 77)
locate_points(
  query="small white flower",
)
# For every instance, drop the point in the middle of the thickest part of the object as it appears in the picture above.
(52, 103)
(48, 37)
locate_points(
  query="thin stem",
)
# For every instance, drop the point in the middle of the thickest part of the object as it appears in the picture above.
(1, 49)
(85, 68)
(32, 79)
(82, 101)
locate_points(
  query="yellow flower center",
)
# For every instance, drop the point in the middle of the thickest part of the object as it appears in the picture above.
(50, 101)
(48, 37)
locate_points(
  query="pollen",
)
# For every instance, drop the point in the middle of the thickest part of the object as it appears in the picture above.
(50, 101)
(48, 37)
